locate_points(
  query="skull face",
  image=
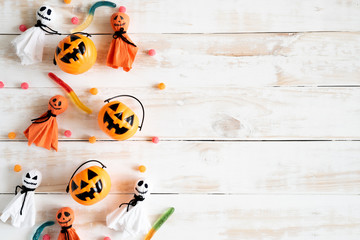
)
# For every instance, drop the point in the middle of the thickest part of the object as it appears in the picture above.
(45, 14)
(141, 187)
(32, 179)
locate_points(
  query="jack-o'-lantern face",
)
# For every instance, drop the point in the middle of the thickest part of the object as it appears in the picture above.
(58, 104)
(90, 185)
(45, 14)
(65, 216)
(118, 121)
(32, 179)
(75, 54)
(141, 187)
(120, 20)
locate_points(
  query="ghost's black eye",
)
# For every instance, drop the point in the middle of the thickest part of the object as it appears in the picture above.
(140, 183)
(146, 186)
(59, 216)
(54, 100)
(35, 178)
(42, 8)
(49, 12)
(66, 214)
(27, 175)
(59, 104)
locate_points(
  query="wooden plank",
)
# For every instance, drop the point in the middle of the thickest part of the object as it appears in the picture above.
(202, 16)
(206, 113)
(196, 167)
(222, 217)
(254, 60)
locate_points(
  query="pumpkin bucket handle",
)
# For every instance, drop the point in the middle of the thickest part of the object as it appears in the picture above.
(142, 107)
(103, 166)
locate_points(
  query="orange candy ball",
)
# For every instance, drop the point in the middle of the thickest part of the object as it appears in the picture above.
(94, 91)
(12, 135)
(67, 1)
(161, 86)
(142, 168)
(17, 168)
(92, 139)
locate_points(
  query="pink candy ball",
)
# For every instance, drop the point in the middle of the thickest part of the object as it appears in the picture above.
(22, 28)
(152, 52)
(155, 139)
(46, 237)
(75, 20)
(122, 9)
(107, 238)
(1, 84)
(67, 133)
(24, 85)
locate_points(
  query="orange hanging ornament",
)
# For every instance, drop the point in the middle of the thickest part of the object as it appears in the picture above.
(65, 217)
(44, 130)
(122, 50)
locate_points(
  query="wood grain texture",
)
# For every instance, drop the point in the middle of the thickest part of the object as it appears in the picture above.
(196, 167)
(201, 16)
(211, 60)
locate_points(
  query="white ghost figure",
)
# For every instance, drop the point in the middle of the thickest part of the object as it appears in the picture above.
(131, 218)
(29, 45)
(21, 209)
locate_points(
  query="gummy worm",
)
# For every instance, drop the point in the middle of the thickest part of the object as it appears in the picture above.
(159, 222)
(90, 15)
(71, 93)
(41, 228)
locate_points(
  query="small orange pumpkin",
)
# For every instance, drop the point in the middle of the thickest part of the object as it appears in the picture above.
(120, 20)
(117, 120)
(75, 54)
(90, 185)
(65, 216)
(58, 104)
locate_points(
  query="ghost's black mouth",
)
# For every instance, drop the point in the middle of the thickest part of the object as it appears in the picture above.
(140, 191)
(43, 17)
(54, 107)
(98, 188)
(30, 182)
(111, 124)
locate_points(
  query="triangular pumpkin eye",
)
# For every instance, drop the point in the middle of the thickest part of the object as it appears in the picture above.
(115, 17)
(114, 107)
(58, 50)
(28, 175)
(130, 120)
(66, 46)
(74, 186)
(83, 184)
(73, 38)
(119, 115)
(91, 174)
(35, 178)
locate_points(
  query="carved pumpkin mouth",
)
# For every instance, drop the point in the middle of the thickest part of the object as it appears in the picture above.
(118, 25)
(54, 107)
(81, 49)
(90, 194)
(43, 17)
(65, 222)
(111, 125)
(140, 191)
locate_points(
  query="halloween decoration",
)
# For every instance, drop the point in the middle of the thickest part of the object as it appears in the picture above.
(91, 13)
(159, 222)
(44, 130)
(90, 185)
(75, 54)
(117, 120)
(21, 209)
(122, 50)
(132, 219)
(29, 45)
(65, 217)
(41, 228)
(71, 93)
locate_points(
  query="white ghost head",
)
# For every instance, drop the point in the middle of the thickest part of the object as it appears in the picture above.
(141, 187)
(45, 14)
(32, 179)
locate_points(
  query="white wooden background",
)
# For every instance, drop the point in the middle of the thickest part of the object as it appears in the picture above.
(259, 123)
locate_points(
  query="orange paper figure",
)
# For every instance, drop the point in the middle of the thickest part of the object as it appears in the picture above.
(122, 50)
(44, 130)
(65, 217)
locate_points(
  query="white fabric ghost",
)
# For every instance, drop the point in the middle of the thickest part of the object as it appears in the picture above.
(132, 218)
(29, 45)
(21, 209)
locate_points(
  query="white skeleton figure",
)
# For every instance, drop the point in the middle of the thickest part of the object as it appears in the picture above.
(132, 218)
(21, 209)
(29, 45)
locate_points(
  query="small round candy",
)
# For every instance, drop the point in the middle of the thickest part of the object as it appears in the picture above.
(161, 86)
(67, 133)
(22, 28)
(12, 135)
(17, 168)
(24, 85)
(155, 139)
(74, 20)
(142, 168)
(107, 238)
(152, 52)
(94, 91)
(46, 237)
(122, 9)
(1, 84)
(92, 139)
(67, 1)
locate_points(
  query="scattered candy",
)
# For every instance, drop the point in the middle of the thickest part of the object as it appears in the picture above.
(107, 238)
(161, 86)
(67, 1)
(92, 139)
(24, 85)
(12, 135)
(94, 91)
(122, 9)
(67, 133)
(159, 222)
(142, 168)
(74, 20)
(152, 52)
(46, 237)
(155, 139)
(22, 28)
(1, 84)
(17, 168)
